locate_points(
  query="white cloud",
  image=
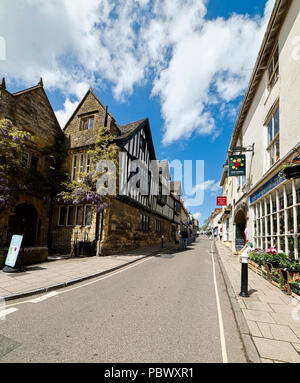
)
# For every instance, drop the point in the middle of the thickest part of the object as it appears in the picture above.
(64, 114)
(197, 216)
(193, 63)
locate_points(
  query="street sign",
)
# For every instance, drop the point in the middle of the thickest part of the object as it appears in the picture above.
(221, 201)
(13, 251)
(237, 165)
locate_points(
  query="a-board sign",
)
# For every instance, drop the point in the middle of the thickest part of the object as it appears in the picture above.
(13, 251)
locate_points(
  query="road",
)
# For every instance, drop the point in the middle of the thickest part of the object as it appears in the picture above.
(161, 309)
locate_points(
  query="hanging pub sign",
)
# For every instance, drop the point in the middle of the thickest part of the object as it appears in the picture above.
(222, 201)
(237, 165)
(13, 251)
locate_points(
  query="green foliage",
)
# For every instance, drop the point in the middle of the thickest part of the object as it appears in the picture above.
(84, 190)
(13, 142)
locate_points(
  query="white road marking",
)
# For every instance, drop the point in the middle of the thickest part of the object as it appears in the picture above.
(4, 313)
(44, 297)
(221, 326)
(86, 284)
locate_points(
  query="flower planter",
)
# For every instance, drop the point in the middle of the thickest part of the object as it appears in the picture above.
(292, 172)
(295, 288)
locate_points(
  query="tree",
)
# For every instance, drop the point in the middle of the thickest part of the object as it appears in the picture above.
(13, 142)
(84, 190)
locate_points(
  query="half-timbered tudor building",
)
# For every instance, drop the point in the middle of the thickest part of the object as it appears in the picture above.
(136, 217)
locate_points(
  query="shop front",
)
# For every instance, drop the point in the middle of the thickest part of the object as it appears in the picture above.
(275, 212)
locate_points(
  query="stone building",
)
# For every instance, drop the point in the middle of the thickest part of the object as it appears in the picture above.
(31, 111)
(134, 219)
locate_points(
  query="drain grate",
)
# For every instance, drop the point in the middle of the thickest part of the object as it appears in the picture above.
(7, 345)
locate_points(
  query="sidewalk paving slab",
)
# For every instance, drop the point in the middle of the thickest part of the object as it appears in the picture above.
(271, 317)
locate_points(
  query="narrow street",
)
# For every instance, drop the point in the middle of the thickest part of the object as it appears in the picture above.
(161, 309)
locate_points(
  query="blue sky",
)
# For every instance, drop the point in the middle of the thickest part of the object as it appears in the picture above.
(184, 64)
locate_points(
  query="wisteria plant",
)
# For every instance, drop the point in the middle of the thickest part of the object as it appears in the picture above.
(12, 150)
(84, 190)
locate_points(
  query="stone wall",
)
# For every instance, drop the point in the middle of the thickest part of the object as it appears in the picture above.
(122, 229)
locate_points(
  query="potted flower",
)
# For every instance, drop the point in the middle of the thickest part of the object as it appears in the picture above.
(295, 285)
(291, 170)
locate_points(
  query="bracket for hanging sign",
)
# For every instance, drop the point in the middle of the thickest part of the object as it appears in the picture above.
(242, 149)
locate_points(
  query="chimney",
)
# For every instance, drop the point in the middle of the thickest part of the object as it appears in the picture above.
(3, 84)
(41, 82)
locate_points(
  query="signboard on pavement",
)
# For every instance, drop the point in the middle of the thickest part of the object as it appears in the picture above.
(13, 251)
(221, 201)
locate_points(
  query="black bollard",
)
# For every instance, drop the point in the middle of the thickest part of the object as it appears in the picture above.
(162, 241)
(244, 283)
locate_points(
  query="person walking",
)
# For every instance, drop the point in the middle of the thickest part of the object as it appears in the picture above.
(184, 237)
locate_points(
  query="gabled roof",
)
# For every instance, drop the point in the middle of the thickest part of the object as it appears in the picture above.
(32, 89)
(129, 130)
(90, 91)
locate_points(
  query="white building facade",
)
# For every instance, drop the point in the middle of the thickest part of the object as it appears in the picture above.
(264, 203)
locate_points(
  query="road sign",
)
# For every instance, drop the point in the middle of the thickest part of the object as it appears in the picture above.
(13, 251)
(237, 165)
(222, 201)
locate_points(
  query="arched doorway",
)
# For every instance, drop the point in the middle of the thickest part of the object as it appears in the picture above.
(240, 222)
(24, 222)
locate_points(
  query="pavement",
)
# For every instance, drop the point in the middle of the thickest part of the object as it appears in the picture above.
(161, 309)
(269, 318)
(59, 272)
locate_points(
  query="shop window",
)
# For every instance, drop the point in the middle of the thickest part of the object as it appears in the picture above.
(281, 223)
(268, 244)
(268, 206)
(290, 220)
(274, 217)
(282, 243)
(273, 138)
(275, 243)
(70, 215)
(297, 186)
(268, 225)
(88, 215)
(274, 203)
(262, 208)
(291, 245)
(61, 216)
(289, 194)
(263, 227)
(78, 221)
(298, 219)
(281, 200)
(273, 69)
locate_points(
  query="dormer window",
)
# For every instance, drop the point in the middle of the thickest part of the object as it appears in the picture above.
(87, 123)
